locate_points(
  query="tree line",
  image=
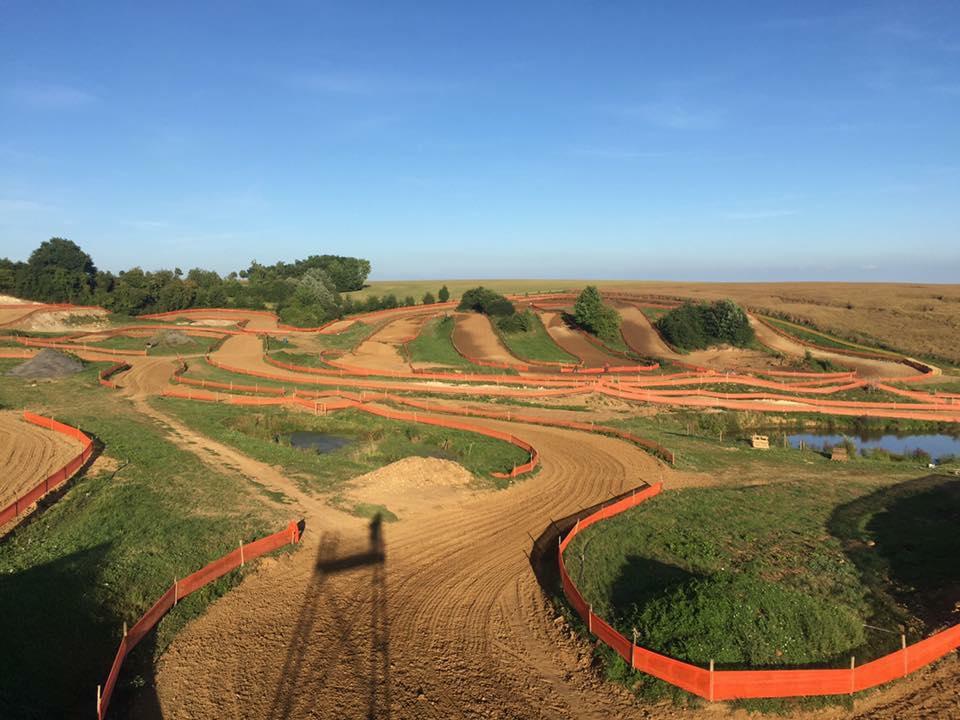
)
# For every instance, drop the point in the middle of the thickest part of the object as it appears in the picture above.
(304, 292)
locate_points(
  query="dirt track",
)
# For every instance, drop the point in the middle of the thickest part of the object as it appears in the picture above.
(380, 351)
(475, 338)
(576, 344)
(454, 623)
(28, 454)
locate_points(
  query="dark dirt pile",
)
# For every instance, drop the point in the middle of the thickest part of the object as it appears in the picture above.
(171, 338)
(48, 364)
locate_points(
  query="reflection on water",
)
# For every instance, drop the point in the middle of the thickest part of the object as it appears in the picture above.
(936, 446)
(316, 441)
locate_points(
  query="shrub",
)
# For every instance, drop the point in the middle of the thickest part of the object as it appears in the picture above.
(593, 316)
(516, 323)
(428, 298)
(488, 302)
(444, 294)
(696, 326)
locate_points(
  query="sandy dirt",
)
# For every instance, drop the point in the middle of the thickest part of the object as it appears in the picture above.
(577, 345)
(28, 454)
(865, 367)
(381, 350)
(475, 337)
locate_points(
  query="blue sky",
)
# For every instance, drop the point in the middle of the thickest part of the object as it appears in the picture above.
(712, 141)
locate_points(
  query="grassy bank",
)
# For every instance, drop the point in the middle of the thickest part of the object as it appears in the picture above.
(103, 552)
(781, 575)
(535, 344)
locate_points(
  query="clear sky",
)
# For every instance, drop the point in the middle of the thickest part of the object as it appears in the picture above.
(700, 140)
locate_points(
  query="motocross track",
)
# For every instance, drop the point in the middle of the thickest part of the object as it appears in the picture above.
(451, 621)
(576, 344)
(474, 337)
(28, 454)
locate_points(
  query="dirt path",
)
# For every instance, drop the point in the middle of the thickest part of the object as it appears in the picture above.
(475, 337)
(865, 367)
(28, 454)
(381, 350)
(452, 625)
(575, 344)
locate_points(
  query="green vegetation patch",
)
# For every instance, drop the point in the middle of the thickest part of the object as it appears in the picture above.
(592, 315)
(531, 341)
(104, 552)
(434, 344)
(375, 442)
(697, 326)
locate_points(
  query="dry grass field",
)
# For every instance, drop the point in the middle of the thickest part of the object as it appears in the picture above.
(916, 319)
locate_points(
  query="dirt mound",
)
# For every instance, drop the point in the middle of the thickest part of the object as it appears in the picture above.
(412, 484)
(48, 364)
(28, 454)
(171, 338)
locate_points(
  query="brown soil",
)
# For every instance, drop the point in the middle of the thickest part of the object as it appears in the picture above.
(28, 454)
(576, 344)
(474, 336)
(381, 350)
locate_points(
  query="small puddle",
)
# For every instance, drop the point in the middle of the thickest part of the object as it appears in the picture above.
(316, 441)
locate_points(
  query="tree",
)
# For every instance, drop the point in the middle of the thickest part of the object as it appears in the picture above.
(428, 298)
(58, 271)
(444, 294)
(488, 302)
(696, 326)
(593, 316)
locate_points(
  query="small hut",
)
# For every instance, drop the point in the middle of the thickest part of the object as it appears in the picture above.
(761, 442)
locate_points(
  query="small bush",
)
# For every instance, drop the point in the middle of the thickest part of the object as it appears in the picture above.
(488, 302)
(516, 323)
(697, 326)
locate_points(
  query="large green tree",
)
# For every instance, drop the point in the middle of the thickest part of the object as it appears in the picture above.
(593, 316)
(58, 271)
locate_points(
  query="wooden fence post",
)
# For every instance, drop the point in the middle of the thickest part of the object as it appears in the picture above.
(590, 619)
(853, 673)
(176, 592)
(903, 646)
(711, 681)
(241, 554)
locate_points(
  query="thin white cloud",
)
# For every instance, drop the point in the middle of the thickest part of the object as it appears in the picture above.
(758, 214)
(51, 97)
(363, 84)
(671, 115)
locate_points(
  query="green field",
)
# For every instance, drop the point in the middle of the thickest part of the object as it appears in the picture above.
(784, 574)
(417, 288)
(821, 339)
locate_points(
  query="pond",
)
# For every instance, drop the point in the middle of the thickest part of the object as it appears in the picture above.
(935, 445)
(316, 441)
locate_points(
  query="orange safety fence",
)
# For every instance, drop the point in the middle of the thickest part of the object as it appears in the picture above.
(106, 375)
(57, 478)
(714, 684)
(17, 354)
(328, 406)
(35, 342)
(180, 379)
(180, 589)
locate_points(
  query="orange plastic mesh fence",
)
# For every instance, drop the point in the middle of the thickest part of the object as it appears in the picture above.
(734, 684)
(180, 589)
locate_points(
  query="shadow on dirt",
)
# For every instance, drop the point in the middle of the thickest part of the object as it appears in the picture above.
(302, 673)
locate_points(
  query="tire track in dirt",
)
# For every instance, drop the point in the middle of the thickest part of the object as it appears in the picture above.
(475, 338)
(28, 454)
(575, 344)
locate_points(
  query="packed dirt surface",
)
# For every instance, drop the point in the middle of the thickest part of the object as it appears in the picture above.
(381, 350)
(46, 365)
(28, 454)
(86, 319)
(576, 344)
(866, 367)
(474, 337)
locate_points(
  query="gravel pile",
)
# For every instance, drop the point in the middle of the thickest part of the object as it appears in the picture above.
(47, 364)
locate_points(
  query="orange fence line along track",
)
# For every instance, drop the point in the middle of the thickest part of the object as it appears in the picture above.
(181, 589)
(56, 479)
(716, 685)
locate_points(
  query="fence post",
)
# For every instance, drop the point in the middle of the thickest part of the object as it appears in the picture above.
(590, 619)
(633, 650)
(176, 592)
(241, 553)
(903, 646)
(853, 673)
(98, 701)
(711, 681)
